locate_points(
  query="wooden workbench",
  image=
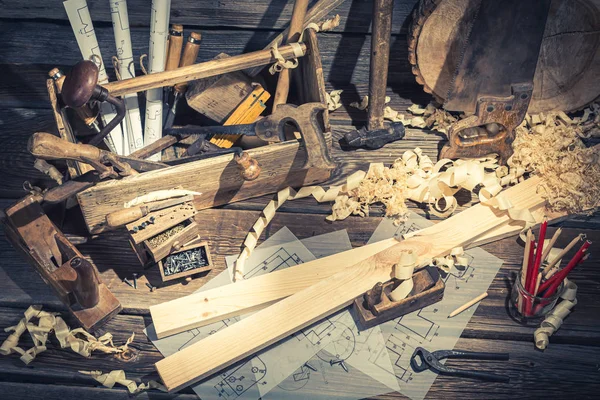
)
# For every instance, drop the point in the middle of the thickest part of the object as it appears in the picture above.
(568, 368)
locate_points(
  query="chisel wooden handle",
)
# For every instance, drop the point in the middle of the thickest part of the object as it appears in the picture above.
(49, 147)
(175, 43)
(190, 54)
(126, 215)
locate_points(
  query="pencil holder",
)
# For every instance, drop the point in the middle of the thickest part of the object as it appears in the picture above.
(524, 306)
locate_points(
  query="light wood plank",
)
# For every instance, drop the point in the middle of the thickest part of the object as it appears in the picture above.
(200, 309)
(273, 323)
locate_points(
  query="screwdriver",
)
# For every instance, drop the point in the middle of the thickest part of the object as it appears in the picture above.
(127, 215)
(190, 53)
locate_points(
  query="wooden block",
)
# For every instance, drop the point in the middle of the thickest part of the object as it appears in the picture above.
(287, 316)
(217, 178)
(218, 96)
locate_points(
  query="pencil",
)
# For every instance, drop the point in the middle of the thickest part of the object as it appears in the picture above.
(563, 276)
(551, 244)
(467, 305)
(525, 259)
(559, 276)
(562, 254)
(538, 256)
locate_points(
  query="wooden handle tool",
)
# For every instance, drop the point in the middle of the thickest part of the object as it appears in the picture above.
(127, 215)
(175, 45)
(83, 112)
(190, 54)
(200, 71)
(296, 24)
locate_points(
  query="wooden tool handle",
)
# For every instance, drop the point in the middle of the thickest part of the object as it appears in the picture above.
(190, 54)
(83, 112)
(125, 216)
(200, 71)
(49, 147)
(380, 56)
(175, 43)
(296, 24)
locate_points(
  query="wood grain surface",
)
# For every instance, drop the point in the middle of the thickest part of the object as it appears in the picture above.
(568, 368)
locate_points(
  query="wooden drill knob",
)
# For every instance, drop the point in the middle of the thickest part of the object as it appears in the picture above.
(249, 167)
(80, 83)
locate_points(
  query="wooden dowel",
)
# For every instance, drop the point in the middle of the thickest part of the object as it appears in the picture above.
(468, 304)
(199, 71)
(562, 254)
(551, 244)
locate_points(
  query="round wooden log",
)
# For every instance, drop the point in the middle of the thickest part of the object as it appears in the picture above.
(569, 64)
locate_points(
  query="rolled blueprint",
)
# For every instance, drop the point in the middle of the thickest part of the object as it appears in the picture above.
(133, 121)
(81, 22)
(157, 56)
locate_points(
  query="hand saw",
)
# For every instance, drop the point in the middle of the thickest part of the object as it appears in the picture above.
(493, 82)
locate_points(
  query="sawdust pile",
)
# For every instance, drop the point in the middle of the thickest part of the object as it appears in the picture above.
(550, 146)
(385, 185)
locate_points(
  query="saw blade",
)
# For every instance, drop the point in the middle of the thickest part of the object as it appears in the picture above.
(502, 49)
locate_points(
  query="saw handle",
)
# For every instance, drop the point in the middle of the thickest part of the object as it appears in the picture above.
(126, 215)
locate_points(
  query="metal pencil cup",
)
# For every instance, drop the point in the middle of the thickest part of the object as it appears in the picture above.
(524, 306)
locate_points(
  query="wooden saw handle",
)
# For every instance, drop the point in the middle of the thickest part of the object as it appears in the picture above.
(126, 215)
(49, 147)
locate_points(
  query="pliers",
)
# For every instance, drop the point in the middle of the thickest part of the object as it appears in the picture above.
(422, 360)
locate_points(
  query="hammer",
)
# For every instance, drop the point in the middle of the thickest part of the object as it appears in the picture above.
(376, 135)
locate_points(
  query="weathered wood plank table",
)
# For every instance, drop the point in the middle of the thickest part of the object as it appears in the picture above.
(570, 367)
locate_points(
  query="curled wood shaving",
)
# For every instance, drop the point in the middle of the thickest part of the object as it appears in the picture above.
(554, 318)
(456, 257)
(404, 270)
(429, 117)
(78, 340)
(325, 25)
(549, 145)
(334, 100)
(118, 376)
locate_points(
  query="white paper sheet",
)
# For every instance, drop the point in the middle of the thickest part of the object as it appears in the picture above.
(81, 22)
(157, 54)
(134, 139)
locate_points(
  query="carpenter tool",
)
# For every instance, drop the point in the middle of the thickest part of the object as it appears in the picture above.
(376, 306)
(375, 135)
(84, 112)
(174, 47)
(272, 129)
(74, 279)
(295, 30)
(493, 82)
(127, 215)
(49, 147)
(423, 360)
(374, 139)
(190, 53)
(81, 86)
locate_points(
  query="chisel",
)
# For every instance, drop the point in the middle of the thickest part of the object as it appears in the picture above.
(174, 47)
(127, 215)
(190, 53)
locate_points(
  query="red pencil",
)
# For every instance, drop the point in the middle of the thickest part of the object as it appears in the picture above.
(552, 289)
(560, 275)
(538, 256)
(531, 272)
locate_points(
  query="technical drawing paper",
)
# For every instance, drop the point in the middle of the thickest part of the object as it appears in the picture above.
(133, 121)
(157, 57)
(81, 22)
(430, 327)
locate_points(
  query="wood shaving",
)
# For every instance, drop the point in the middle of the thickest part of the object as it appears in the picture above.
(78, 340)
(430, 117)
(334, 100)
(554, 319)
(118, 376)
(549, 145)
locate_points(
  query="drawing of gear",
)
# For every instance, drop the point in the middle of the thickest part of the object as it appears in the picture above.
(341, 348)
